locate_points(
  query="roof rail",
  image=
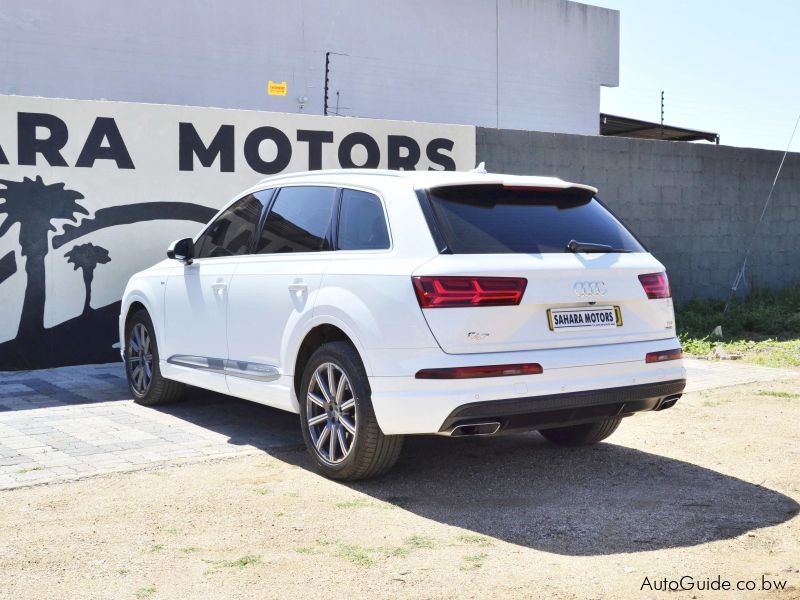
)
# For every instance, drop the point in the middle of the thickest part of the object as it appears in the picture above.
(377, 172)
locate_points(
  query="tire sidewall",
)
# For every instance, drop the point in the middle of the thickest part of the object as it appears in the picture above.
(143, 318)
(359, 384)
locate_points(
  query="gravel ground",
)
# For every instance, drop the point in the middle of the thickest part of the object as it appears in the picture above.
(709, 488)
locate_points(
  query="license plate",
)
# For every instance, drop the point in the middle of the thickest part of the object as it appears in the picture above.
(577, 319)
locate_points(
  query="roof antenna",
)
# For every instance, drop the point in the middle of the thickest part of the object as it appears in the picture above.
(481, 168)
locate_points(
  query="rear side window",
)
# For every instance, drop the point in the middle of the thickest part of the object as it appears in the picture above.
(492, 219)
(299, 220)
(362, 224)
(232, 232)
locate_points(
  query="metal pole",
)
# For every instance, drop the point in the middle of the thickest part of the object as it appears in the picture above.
(327, 72)
(662, 113)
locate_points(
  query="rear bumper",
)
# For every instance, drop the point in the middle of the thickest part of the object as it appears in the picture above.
(556, 410)
(405, 405)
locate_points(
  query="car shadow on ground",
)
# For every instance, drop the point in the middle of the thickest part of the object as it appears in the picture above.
(605, 499)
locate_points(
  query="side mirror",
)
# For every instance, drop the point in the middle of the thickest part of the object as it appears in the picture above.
(182, 250)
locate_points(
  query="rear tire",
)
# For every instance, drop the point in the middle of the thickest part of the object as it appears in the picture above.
(339, 426)
(582, 435)
(145, 382)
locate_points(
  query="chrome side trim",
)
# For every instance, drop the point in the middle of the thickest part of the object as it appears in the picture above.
(234, 368)
(203, 363)
(249, 370)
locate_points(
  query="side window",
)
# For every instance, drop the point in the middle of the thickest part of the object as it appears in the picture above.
(299, 220)
(232, 232)
(362, 224)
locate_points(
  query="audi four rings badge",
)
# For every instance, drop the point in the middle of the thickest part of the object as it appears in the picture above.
(590, 288)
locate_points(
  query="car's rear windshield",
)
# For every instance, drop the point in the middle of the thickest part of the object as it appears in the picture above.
(493, 219)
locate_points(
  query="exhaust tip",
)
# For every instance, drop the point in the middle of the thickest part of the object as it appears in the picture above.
(668, 402)
(475, 429)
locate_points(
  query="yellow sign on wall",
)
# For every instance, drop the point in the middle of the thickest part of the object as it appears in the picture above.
(276, 89)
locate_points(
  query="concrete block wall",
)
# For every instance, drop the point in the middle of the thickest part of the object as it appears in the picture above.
(695, 206)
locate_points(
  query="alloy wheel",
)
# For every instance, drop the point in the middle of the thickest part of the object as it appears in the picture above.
(139, 360)
(331, 413)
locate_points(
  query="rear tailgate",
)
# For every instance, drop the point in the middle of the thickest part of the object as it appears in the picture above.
(585, 298)
(553, 284)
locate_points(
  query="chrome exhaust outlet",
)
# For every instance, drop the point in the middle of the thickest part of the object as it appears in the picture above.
(475, 429)
(669, 402)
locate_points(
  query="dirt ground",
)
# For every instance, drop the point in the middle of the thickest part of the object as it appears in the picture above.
(707, 489)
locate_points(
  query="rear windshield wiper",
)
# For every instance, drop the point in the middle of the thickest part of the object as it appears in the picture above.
(576, 246)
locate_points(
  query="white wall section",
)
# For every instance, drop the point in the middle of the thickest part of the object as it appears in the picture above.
(517, 64)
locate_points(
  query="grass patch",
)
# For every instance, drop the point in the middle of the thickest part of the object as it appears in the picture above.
(189, 549)
(239, 563)
(29, 469)
(763, 328)
(473, 561)
(146, 592)
(306, 550)
(419, 541)
(357, 503)
(123, 571)
(476, 540)
(396, 551)
(263, 491)
(777, 394)
(356, 555)
(157, 548)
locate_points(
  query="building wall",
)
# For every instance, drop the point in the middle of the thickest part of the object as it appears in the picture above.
(92, 192)
(520, 64)
(695, 206)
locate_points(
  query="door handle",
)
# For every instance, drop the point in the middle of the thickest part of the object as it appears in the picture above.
(298, 288)
(219, 288)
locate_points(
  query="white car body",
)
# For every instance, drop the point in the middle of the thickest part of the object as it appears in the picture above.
(237, 323)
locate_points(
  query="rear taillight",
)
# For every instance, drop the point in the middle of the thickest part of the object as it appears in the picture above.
(484, 371)
(656, 285)
(663, 355)
(444, 292)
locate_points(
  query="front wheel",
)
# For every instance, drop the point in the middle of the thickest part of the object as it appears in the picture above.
(339, 425)
(145, 382)
(582, 435)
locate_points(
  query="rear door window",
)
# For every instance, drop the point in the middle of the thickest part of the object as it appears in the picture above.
(299, 220)
(493, 219)
(362, 223)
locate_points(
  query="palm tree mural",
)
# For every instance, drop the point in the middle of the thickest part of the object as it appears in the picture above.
(87, 257)
(35, 205)
(38, 208)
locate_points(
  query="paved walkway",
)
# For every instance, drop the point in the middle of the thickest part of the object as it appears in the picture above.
(72, 422)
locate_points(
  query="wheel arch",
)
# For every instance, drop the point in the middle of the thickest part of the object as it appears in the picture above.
(131, 304)
(319, 334)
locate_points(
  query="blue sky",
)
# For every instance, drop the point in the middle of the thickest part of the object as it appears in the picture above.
(728, 66)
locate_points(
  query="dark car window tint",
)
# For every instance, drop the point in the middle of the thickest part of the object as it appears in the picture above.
(362, 225)
(232, 232)
(492, 219)
(299, 220)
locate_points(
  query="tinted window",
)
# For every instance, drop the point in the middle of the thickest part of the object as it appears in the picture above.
(232, 232)
(362, 225)
(491, 219)
(299, 220)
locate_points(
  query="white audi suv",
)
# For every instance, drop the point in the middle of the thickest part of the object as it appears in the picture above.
(378, 304)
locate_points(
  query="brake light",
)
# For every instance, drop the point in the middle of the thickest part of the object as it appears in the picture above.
(656, 285)
(663, 355)
(443, 292)
(484, 371)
